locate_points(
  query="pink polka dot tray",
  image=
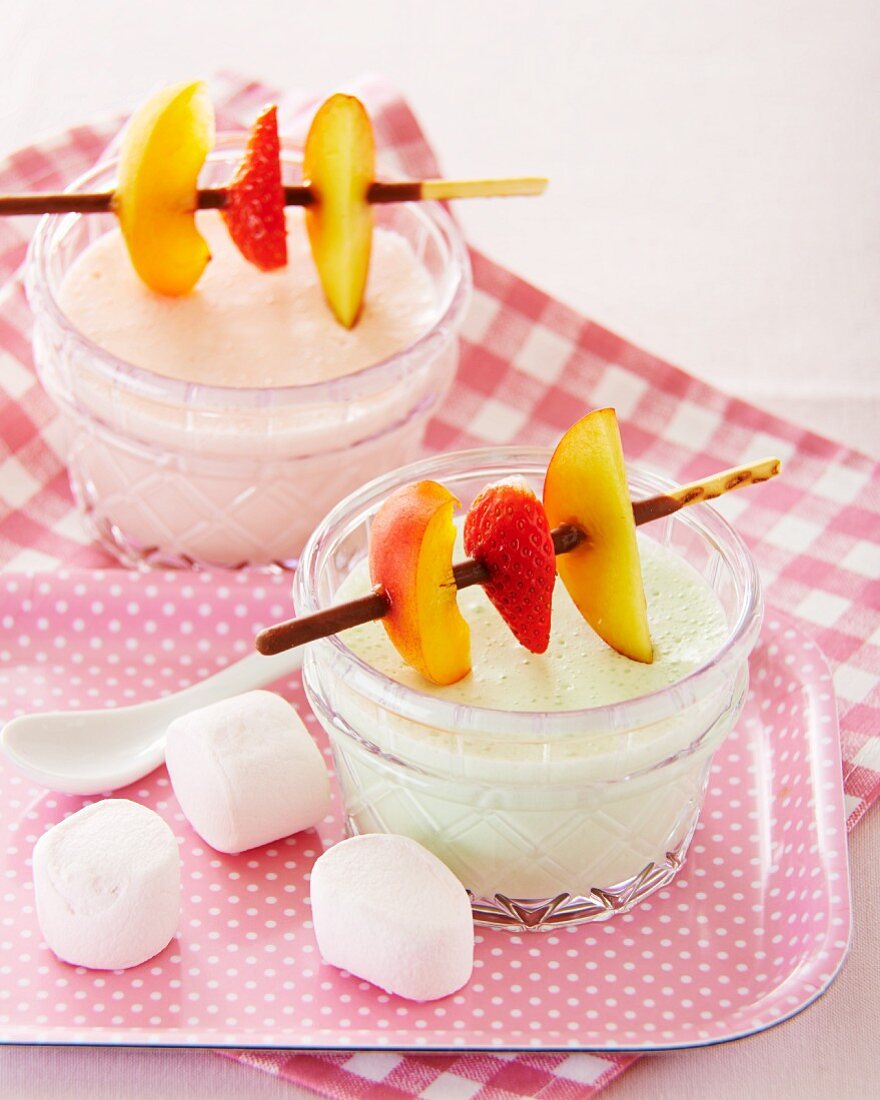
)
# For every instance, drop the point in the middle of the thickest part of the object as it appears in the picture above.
(752, 930)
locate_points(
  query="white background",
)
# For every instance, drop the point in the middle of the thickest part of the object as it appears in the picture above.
(715, 197)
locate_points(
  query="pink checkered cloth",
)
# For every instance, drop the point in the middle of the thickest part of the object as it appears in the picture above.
(529, 363)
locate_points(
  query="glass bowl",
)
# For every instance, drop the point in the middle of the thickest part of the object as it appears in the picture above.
(547, 817)
(173, 473)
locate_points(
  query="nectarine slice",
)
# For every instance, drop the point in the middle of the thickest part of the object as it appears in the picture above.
(586, 486)
(411, 544)
(339, 165)
(163, 149)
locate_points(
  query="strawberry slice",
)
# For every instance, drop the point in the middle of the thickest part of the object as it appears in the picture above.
(507, 530)
(254, 211)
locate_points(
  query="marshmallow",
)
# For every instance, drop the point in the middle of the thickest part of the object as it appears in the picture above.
(107, 885)
(387, 910)
(246, 771)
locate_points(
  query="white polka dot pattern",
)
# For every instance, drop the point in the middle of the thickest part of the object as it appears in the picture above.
(752, 930)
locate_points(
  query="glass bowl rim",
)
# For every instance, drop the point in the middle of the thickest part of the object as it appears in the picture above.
(717, 671)
(146, 383)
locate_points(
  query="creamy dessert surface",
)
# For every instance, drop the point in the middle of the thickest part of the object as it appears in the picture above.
(244, 327)
(578, 670)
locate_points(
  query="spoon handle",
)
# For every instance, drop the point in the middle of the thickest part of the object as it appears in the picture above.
(80, 752)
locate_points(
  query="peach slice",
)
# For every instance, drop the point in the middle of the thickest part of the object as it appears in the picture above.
(339, 165)
(586, 486)
(163, 149)
(411, 543)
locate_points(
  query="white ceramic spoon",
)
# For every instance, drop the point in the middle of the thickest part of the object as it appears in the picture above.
(92, 751)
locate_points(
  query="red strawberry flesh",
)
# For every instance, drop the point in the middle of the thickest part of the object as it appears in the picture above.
(254, 210)
(506, 530)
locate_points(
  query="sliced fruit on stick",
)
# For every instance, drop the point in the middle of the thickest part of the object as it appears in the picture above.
(163, 149)
(566, 539)
(254, 210)
(506, 530)
(338, 165)
(411, 542)
(586, 487)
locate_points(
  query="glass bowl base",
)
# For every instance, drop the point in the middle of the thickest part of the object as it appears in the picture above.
(602, 903)
(145, 556)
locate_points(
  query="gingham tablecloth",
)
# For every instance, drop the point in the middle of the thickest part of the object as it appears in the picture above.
(530, 366)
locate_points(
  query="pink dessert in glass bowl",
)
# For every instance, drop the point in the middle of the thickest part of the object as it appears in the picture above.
(217, 429)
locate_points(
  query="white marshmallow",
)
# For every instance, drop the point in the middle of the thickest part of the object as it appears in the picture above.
(107, 885)
(387, 910)
(246, 771)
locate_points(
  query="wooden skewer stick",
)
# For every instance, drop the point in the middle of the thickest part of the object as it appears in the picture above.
(296, 632)
(440, 190)
(214, 198)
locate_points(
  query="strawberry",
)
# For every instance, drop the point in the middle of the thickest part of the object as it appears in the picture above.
(507, 530)
(254, 211)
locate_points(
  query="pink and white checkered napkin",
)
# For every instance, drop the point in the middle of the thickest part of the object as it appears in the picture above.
(529, 364)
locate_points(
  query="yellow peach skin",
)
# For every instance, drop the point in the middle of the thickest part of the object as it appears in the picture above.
(586, 486)
(411, 545)
(339, 165)
(163, 149)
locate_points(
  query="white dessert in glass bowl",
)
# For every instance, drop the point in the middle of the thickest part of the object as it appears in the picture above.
(559, 788)
(218, 428)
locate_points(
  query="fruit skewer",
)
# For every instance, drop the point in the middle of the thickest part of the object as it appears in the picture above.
(163, 150)
(567, 537)
(215, 198)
